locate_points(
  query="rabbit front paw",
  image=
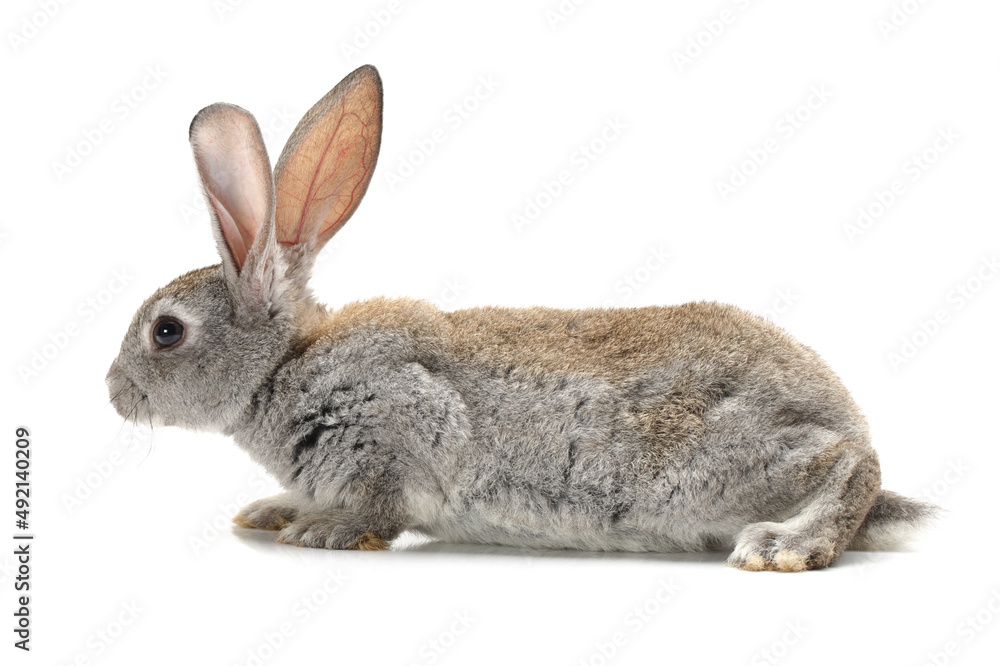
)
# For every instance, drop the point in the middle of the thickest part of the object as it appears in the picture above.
(775, 547)
(334, 530)
(269, 513)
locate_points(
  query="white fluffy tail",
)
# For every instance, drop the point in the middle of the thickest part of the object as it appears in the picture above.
(893, 521)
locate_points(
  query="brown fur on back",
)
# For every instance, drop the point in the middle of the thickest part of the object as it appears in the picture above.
(611, 344)
(708, 348)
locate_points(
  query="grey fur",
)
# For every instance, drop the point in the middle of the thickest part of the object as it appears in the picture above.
(656, 429)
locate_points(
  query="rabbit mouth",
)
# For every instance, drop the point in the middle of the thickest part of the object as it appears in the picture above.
(131, 403)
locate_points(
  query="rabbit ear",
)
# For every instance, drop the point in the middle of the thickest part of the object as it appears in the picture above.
(236, 174)
(328, 162)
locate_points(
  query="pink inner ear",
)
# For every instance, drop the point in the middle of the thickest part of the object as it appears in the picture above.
(238, 239)
(236, 174)
(237, 194)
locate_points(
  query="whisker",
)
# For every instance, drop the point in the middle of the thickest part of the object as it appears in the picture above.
(133, 415)
(124, 421)
(149, 415)
(120, 391)
(119, 433)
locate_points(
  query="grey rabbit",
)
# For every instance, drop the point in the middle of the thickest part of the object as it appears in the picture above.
(684, 428)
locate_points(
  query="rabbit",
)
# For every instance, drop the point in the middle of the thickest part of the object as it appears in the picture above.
(685, 428)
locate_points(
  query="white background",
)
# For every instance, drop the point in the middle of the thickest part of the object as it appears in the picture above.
(125, 519)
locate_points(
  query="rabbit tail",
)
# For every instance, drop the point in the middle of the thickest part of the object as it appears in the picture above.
(893, 521)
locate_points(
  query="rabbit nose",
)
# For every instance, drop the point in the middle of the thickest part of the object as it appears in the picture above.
(114, 376)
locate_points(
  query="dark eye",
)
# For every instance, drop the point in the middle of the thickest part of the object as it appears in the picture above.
(167, 332)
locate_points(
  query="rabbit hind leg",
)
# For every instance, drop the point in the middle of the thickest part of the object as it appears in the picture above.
(820, 532)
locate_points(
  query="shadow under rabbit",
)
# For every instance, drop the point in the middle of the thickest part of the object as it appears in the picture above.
(410, 543)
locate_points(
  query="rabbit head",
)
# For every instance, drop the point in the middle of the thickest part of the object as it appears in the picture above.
(199, 348)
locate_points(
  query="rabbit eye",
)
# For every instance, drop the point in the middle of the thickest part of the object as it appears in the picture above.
(167, 332)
